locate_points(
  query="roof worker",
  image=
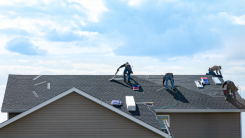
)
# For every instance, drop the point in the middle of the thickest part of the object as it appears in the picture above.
(216, 68)
(127, 70)
(210, 72)
(230, 87)
(166, 77)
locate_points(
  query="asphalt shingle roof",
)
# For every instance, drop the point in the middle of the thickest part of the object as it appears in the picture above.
(19, 96)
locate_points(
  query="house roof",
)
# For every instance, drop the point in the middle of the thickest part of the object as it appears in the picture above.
(149, 122)
(19, 91)
(19, 94)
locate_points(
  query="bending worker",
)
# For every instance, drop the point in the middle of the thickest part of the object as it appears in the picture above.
(230, 87)
(216, 68)
(166, 77)
(127, 70)
(210, 72)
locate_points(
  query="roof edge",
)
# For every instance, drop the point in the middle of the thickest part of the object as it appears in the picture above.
(91, 98)
(13, 110)
(198, 110)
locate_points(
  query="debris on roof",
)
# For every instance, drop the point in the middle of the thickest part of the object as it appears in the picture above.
(37, 77)
(35, 94)
(40, 83)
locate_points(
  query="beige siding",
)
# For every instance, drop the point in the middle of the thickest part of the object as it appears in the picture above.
(75, 116)
(217, 125)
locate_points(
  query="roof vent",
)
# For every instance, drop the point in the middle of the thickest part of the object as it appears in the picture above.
(130, 103)
(48, 85)
(216, 80)
(198, 84)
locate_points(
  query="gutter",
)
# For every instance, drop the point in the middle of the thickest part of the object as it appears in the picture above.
(160, 110)
(198, 110)
(13, 110)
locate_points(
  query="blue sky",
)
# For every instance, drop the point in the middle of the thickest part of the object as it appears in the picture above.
(97, 36)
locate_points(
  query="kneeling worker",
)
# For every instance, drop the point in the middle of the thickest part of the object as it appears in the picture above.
(210, 72)
(166, 77)
(216, 68)
(230, 87)
(127, 70)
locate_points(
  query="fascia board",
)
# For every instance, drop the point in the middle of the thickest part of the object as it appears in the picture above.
(13, 110)
(89, 97)
(198, 110)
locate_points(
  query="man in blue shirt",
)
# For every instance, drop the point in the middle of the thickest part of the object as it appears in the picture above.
(166, 77)
(127, 70)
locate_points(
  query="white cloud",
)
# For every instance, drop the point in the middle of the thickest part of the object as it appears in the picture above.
(224, 17)
(86, 33)
(235, 69)
(135, 2)
(160, 4)
(234, 19)
(16, 69)
(14, 2)
(20, 60)
(31, 25)
(95, 8)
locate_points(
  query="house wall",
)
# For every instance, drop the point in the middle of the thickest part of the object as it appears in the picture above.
(216, 125)
(75, 116)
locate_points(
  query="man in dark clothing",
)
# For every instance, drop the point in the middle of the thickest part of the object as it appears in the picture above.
(127, 70)
(230, 87)
(210, 72)
(166, 77)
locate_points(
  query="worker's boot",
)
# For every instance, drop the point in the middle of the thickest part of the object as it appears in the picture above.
(124, 80)
(226, 98)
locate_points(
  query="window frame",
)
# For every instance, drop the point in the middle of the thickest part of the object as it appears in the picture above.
(167, 120)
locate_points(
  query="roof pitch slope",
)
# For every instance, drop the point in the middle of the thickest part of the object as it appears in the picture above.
(188, 82)
(211, 97)
(19, 94)
(142, 114)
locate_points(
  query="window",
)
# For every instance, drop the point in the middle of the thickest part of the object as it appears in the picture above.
(161, 119)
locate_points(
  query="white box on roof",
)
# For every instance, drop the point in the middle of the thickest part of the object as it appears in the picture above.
(130, 103)
(198, 84)
(216, 81)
